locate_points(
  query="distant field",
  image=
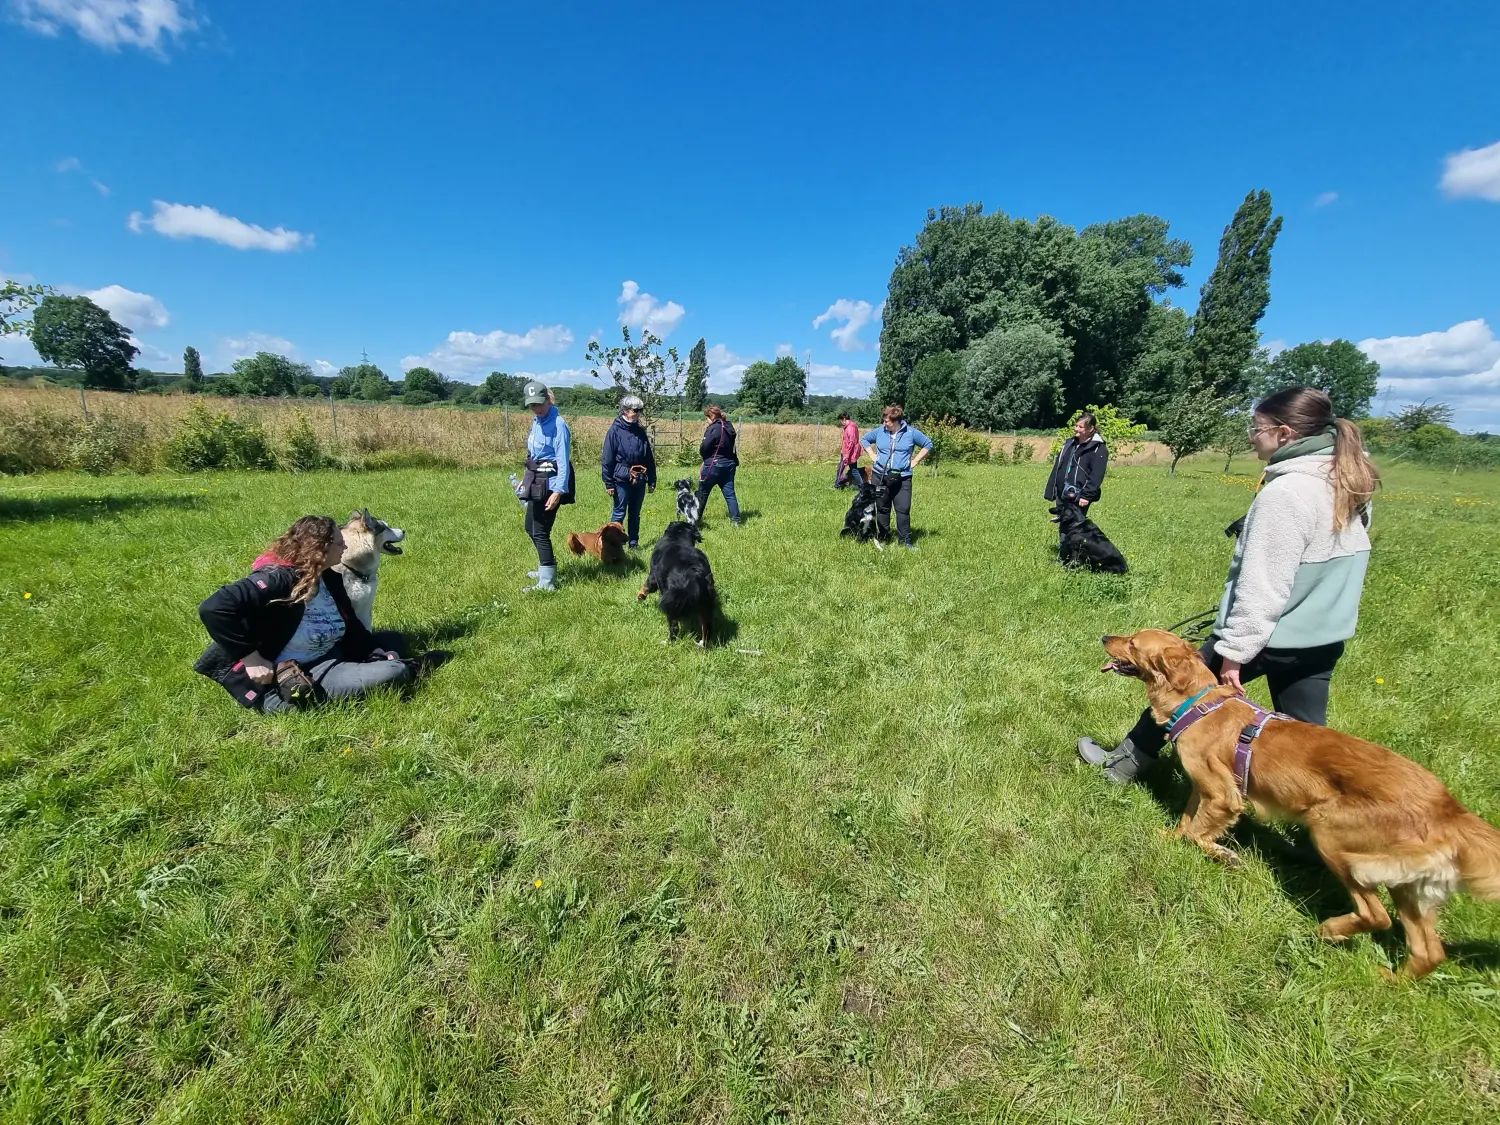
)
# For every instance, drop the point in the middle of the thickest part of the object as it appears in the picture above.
(842, 868)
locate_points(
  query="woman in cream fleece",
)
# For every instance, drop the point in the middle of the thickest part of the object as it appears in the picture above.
(1292, 597)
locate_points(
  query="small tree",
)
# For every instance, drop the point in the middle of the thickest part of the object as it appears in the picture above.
(16, 300)
(375, 387)
(1424, 413)
(349, 383)
(424, 379)
(1233, 437)
(1120, 434)
(500, 389)
(1192, 424)
(75, 332)
(1346, 373)
(640, 368)
(695, 390)
(268, 375)
(192, 371)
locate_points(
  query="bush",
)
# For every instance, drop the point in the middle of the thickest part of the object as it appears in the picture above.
(106, 442)
(1021, 452)
(304, 453)
(1433, 440)
(310, 390)
(953, 442)
(1121, 435)
(418, 398)
(33, 441)
(219, 441)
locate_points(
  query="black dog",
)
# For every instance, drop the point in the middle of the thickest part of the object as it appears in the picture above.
(1081, 543)
(681, 572)
(859, 520)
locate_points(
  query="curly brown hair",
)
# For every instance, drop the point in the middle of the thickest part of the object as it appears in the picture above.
(303, 548)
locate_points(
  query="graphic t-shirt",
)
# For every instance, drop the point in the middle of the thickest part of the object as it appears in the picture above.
(321, 627)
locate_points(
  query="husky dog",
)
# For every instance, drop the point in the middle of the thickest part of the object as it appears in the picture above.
(688, 507)
(365, 540)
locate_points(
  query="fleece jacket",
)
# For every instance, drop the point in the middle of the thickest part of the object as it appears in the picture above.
(1294, 582)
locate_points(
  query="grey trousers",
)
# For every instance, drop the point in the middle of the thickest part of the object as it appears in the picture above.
(339, 678)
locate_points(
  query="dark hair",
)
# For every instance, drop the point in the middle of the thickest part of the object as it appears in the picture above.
(892, 413)
(843, 415)
(304, 548)
(1088, 417)
(713, 412)
(1307, 412)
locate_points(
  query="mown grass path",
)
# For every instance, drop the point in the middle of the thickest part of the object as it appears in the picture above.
(852, 874)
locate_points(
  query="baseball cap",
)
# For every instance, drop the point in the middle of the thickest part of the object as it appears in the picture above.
(536, 392)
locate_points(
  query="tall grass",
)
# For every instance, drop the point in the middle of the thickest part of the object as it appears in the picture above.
(842, 868)
(380, 436)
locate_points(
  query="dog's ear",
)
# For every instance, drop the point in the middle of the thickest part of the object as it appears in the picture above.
(354, 515)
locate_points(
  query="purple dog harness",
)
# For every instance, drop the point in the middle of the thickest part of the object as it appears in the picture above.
(1191, 711)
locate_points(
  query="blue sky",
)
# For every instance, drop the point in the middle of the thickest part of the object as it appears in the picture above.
(482, 186)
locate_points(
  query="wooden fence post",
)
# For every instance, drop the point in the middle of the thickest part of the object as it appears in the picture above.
(333, 417)
(506, 409)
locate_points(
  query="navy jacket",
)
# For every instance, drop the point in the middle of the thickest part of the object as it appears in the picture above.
(626, 444)
(720, 444)
(1080, 467)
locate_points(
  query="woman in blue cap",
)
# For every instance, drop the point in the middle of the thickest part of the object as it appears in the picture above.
(548, 483)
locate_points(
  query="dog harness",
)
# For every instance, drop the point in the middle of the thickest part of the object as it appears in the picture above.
(1244, 749)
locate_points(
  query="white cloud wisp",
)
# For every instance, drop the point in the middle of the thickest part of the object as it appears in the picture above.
(468, 353)
(854, 316)
(110, 24)
(1473, 173)
(179, 220)
(1459, 366)
(139, 312)
(643, 311)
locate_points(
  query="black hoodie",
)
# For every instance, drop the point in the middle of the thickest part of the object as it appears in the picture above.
(1081, 467)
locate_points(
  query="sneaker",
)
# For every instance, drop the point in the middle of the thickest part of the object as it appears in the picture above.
(736, 523)
(909, 545)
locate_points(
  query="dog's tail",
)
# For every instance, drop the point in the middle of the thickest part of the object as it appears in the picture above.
(1479, 856)
(576, 544)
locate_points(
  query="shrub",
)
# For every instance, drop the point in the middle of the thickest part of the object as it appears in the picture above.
(418, 398)
(107, 441)
(1123, 436)
(304, 453)
(33, 441)
(219, 441)
(1433, 440)
(310, 390)
(951, 441)
(1021, 452)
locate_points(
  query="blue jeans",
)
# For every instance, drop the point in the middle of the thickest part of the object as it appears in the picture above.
(723, 476)
(629, 497)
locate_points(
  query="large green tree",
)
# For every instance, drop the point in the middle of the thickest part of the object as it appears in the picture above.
(969, 274)
(1013, 378)
(695, 389)
(1234, 298)
(192, 370)
(75, 332)
(932, 390)
(268, 375)
(350, 381)
(423, 380)
(1338, 367)
(500, 389)
(773, 387)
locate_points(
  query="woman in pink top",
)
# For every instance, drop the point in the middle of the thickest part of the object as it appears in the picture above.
(849, 453)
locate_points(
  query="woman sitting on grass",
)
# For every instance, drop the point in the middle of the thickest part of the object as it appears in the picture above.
(287, 636)
(1292, 598)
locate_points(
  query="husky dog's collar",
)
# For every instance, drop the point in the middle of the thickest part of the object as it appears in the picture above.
(360, 573)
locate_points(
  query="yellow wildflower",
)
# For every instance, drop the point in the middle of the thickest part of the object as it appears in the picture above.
(1380, 679)
(27, 594)
(538, 883)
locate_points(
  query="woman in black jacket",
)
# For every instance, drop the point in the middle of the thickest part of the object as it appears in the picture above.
(1078, 474)
(287, 635)
(721, 457)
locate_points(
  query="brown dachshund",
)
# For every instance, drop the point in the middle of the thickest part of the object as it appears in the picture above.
(607, 544)
(1377, 819)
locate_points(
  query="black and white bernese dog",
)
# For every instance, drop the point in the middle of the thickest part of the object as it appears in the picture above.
(680, 572)
(859, 520)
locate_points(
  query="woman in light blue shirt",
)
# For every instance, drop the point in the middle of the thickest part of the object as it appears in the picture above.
(896, 449)
(548, 483)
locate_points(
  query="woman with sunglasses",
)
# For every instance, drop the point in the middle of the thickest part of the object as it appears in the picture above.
(628, 466)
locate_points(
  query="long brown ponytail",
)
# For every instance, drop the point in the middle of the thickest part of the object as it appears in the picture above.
(1307, 412)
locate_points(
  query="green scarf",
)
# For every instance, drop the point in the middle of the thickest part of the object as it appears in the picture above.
(1301, 447)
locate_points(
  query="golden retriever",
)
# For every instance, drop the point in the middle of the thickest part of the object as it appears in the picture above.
(1376, 818)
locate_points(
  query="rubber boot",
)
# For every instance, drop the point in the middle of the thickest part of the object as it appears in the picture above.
(546, 581)
(1122, 765)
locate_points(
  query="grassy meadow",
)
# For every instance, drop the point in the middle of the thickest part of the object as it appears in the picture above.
(843, 867)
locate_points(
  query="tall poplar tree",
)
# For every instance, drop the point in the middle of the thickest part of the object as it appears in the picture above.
(192, 371)
(695, 389)
(1234, 298)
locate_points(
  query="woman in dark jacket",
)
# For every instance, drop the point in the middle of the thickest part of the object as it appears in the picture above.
(1078, 474)
(287, 636)
(720, 452)
(628, 466)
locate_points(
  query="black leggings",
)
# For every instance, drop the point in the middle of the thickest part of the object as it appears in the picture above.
(893, 492)
(1299, 679)
(539, 523)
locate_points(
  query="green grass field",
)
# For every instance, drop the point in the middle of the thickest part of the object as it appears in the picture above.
(842, 868)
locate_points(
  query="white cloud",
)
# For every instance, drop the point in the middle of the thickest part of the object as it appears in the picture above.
(139, 312)
(68, 164)
(153, 358)
(323, 367)
(179, 220)
(785, 349)
(232, 348)
(468, 353)
(831, 379)
(854, 315)
(566, 377)
(1459, 366)
(642, 310)
(102, 189)
(110, 24)
(725, 369)
(1473, 172)
(1326, 198)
